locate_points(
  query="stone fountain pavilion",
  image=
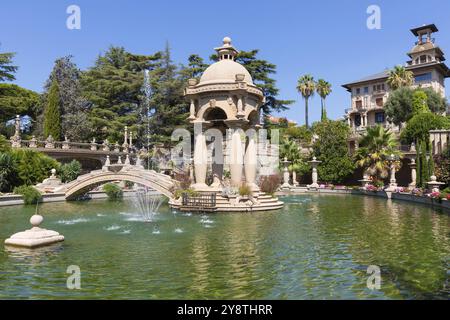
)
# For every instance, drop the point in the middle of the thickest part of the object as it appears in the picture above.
(225, 104)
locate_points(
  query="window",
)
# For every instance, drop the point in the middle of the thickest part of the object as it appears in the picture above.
(426, 77)
(358, 120)
(366, 90)
(423, 59)
(358, 90)
(379, 102)
(358, 104)
(379, 117)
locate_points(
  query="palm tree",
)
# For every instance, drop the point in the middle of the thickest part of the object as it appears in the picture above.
(375, 148)
(291, 151)
(323, 89)
(400, 77)
(306, 86)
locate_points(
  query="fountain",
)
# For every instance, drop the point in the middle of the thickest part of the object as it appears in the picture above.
(148, 203)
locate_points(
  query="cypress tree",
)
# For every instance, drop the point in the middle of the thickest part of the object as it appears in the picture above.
(418, 164)
(430, 161)
(52, 114)
(423, 164)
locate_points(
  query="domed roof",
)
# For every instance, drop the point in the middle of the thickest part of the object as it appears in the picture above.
(224, 71)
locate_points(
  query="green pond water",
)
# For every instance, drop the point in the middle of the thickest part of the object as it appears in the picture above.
(317, 247)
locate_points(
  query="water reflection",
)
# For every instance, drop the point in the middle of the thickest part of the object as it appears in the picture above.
(318, 247)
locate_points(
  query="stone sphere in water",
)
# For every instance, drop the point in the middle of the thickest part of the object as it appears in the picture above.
(36, 220)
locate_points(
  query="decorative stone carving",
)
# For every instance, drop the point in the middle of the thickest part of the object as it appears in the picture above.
(50, 142)
(93, 145)
(65, 144)
(106, 145)
(314, 163)
(33, 142)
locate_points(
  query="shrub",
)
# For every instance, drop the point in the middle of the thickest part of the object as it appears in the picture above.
(129, 184)
(70, 171)
(183, 180)
(190, 192)
(113, 191)
(244, 190)
(30, 194)
(270, 184)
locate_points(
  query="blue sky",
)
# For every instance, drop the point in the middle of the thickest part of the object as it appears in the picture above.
(328, 39)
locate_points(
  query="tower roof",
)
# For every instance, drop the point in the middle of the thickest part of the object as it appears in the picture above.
(432, 27)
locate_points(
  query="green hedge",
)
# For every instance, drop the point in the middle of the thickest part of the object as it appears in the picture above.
(113, 191)
(30, 194)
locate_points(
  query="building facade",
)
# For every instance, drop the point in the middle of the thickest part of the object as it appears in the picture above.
(369, 94)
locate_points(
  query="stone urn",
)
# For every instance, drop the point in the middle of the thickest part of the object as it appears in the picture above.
(192, 82)
(240, 77)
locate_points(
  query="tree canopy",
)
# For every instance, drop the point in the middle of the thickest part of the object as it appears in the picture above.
(7, 69)
(113, 86)
(330, 147)
(399, 104)
(15, 100)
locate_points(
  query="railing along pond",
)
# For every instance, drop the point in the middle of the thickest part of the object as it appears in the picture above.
(203, 201)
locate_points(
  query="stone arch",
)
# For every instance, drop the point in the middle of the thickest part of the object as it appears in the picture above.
(206, 109)
(159, 182)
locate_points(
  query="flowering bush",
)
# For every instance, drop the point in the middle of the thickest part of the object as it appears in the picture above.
(371, 188)
(417, 192)
(400, 189)
(434, 195)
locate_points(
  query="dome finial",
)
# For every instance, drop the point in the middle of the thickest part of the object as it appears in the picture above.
(226, 51)
(227, 42)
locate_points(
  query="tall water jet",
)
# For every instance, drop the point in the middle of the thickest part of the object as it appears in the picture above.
(148, 203)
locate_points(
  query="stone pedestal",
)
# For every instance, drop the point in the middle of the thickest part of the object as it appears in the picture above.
(314, 162)
(413, 167)
(285, 184)
(34, 237)
(434, 185)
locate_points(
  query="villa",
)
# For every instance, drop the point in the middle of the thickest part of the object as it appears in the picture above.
(369, 94)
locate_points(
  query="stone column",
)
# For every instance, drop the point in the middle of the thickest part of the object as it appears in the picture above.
(294, 178)
(240, 107)
(250, 162)
(125, 140)
(192, 110)
(236, 158)
(131, 140)
(200, 161)
(413, 167)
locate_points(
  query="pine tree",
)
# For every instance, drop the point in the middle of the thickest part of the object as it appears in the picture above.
(73, 107)
(260, 70)
(169, 108)
(114, 87)
(7, 70)
(52, 114)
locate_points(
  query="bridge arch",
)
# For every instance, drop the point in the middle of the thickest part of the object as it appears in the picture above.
(151, 179)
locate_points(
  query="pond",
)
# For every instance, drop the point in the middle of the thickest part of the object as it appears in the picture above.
(317, 247)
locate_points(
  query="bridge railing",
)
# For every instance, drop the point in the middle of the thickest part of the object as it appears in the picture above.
(67, 145)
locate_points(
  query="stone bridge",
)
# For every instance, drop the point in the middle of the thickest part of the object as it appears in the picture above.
(118, 172)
